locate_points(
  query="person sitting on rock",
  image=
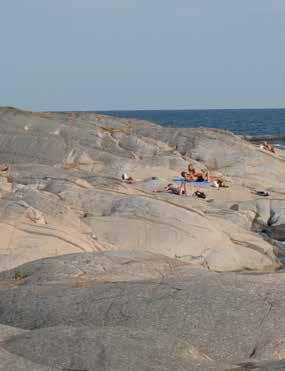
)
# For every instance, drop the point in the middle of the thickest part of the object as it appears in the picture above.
(187, 177)
(177, 190)
(195, 176)
(204, 175)
(268, 147)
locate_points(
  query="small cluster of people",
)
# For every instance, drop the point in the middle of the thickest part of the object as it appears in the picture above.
(195, 176)
(191, 175)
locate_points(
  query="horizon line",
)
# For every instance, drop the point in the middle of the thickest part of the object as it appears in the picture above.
(143, 110)
(187, 109)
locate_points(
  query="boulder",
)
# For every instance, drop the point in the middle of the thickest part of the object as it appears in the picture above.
(80, 268)
(107, 348)
(208, 313)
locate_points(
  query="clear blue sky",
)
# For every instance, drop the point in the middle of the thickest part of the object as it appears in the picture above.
(142, 54)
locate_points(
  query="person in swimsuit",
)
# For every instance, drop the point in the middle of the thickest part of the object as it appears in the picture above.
(177, 190)
(268, 147)
(128, 180)
(195, 176)
(203, 175)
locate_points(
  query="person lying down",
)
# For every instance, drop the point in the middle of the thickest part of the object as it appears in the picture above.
(177, 190)
(194, 176)
(129, 179)
(267, 147)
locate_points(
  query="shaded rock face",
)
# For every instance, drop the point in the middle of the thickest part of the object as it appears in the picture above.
(11, 361)
(108, 348)
(106, 267)
(107, 311)
(276, 221)
(270, 216)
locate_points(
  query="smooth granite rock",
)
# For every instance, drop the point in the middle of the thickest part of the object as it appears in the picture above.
(212, 313)
(66, 168)
(98, 274)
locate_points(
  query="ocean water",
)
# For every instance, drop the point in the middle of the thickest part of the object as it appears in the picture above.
(253, 122)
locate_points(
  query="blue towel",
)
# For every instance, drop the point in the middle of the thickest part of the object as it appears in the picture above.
(181, 179)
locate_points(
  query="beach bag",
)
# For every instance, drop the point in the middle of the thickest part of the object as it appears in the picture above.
(200, 194)
(262, 193)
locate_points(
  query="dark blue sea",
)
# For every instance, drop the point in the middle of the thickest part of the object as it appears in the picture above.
(254, 122)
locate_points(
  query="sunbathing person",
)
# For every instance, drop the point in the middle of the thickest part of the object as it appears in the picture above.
(268, 147)
(195, 176)
(129, 180)
(177, 190)
(203, 175)
(187, 176)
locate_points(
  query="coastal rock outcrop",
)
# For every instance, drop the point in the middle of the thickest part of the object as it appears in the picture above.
(68, 184)
(225, 152)
(99, 274)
